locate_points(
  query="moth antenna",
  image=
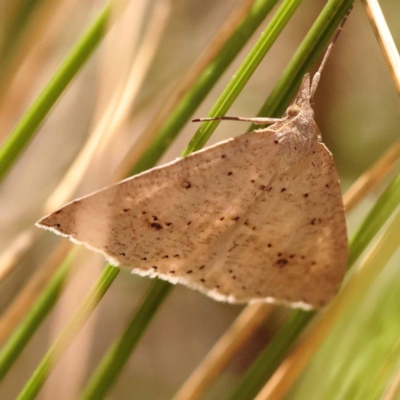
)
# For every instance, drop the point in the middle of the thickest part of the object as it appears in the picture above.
(317, 75)
(256, 120)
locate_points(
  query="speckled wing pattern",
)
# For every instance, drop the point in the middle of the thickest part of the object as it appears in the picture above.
(255, 218)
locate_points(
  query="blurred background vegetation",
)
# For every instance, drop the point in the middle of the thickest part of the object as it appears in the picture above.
(356, 108)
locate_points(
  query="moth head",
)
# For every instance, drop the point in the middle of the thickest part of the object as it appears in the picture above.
(293, 110)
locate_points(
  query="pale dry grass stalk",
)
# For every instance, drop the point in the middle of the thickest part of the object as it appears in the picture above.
(393, 391)
(67, 377)
(38, 40)
(188, 80)
(27, 296)
(110, 99)
(384, 38)
(223, 350)
(349, 296)
(369, 179)
(17, 250)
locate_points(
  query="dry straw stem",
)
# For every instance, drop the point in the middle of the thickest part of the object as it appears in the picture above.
(393, 392)
(17, 250)
(351, 293)
(18, 308)
(240, 331)
(40, 37)
(366, 182)
(143, 141)
(254, 315)
(385, 39)
(119, 106)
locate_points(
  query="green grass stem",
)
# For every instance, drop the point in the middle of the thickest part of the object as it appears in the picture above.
(23, 132)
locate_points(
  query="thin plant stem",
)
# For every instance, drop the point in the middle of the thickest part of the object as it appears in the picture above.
(189, 103)
(38, 111)
(243, 74)
(120, 351)
(36, 381)
(12, 348)
(385, 39)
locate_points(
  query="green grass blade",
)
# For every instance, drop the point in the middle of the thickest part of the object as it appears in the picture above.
(268, 360)
(32, 119)
(244, 73)
(36, 381)
(308, 52)
(119, 353)
(380, 213)
(32, 320)
(272, 356)
(189, 103)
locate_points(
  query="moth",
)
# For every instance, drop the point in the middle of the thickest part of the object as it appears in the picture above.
(258, 217)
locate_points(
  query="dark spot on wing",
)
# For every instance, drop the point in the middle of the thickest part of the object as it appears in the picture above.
(252, 181)
(189, 272)
(155, 218)
(58, 212)
(279, 254)
(222, 218)
(189, 222)
(156, 226)
(122, 254)
(171, 272)
(281, 262)
(230, 173)
(57, 225)
(305, 195)
(276, 141)
(186, 185)
(316, 221)
(154, 267)
(176, 255)
(203, 280)
(202, 266)
(126, 209)
(168, 223)
(269, 245)
(235, 218)
(166, 256)
(143, 212)
(144, 259)
(283, 189)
